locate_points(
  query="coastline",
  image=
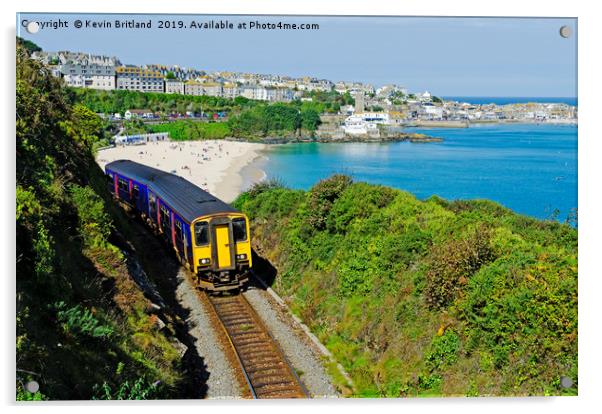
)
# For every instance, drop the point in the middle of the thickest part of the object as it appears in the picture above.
(214, 165)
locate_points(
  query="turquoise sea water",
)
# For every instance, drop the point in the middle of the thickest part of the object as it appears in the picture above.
(531, 169)
(504, 100)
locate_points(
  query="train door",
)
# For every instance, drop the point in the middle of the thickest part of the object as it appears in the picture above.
(222, 246)
(180, 239)
(116, 185)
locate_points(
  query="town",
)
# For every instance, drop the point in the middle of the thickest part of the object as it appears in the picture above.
(388, 105)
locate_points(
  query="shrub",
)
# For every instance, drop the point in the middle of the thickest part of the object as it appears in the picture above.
(95, 223)
(453, 263)
(265, 185)
(80, 321)
(444, 350)
(140, 389)
(322, 197)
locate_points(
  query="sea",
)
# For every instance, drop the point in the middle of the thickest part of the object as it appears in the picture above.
(529, 168)
(505, 100)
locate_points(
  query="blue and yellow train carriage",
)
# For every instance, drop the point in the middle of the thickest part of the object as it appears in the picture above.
(210, 237)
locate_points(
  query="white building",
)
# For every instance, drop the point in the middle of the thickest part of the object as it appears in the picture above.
(358, 124)
(140, 139)
(174, 86)
(81, 70)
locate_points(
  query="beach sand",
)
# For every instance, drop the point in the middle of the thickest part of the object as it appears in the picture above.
(215, 166)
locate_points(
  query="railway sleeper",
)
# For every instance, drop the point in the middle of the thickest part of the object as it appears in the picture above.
(282, 394)
(268, 373)
(238, 320)
(244, 334)
(263, 353)
(283, 384)
(261, 364)
(255, 341)
(249, 344)
(233, 314)
(228, 305)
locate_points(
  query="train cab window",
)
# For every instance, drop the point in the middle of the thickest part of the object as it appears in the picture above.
(239, 228)
(201, 233)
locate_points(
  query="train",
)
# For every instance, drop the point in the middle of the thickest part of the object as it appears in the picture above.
(210, 237)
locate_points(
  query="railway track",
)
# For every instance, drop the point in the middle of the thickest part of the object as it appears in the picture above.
(266, 369)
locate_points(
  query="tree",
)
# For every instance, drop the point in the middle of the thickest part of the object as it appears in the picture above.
(310, 119)
(28, 45)
(170, 75)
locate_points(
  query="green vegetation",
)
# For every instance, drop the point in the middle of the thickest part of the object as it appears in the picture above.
(248, 119)
(119, 101)
(274, 120)
(429, 297)
(28, 45)
(190, 130)
(83, 330)
(330, 101)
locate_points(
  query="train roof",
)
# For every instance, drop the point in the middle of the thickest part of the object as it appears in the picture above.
(186, 198)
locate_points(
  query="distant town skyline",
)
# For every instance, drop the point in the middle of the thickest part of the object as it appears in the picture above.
(447, 56)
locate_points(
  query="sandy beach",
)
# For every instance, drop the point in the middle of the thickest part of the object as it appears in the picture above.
(215, 166)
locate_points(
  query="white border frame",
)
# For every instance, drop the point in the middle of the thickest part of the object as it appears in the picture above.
(589, 170)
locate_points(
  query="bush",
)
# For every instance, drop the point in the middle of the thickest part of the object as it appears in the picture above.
(95, 223)
(80, 321)
(265, 185)
(322, 197)
(453, 263)
(444, 350)
(140, 389)
(381, 271)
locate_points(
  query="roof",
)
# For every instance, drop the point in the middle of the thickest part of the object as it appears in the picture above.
(186, 198)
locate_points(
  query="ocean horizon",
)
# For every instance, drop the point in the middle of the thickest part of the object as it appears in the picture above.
(529, 168)
(505, 100)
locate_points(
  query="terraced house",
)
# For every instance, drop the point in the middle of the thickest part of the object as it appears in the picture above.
(197, 88)
(134, 78)
(82, 70)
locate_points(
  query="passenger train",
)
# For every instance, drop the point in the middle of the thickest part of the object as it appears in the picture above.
(210, 237)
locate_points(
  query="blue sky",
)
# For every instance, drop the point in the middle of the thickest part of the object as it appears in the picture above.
(447, 56)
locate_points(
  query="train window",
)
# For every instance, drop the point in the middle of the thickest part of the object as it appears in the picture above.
(201, 233)
(136, 191)
(239, 228)
(178, 230)
(165, 219)
(123, 185)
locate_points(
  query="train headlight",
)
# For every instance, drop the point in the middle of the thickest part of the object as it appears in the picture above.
(204, 261)
(241, 256)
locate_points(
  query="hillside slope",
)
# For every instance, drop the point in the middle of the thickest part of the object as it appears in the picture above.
(424, 297)
(84, 327)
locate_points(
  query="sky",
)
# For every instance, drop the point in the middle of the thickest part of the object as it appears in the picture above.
(518, 57)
